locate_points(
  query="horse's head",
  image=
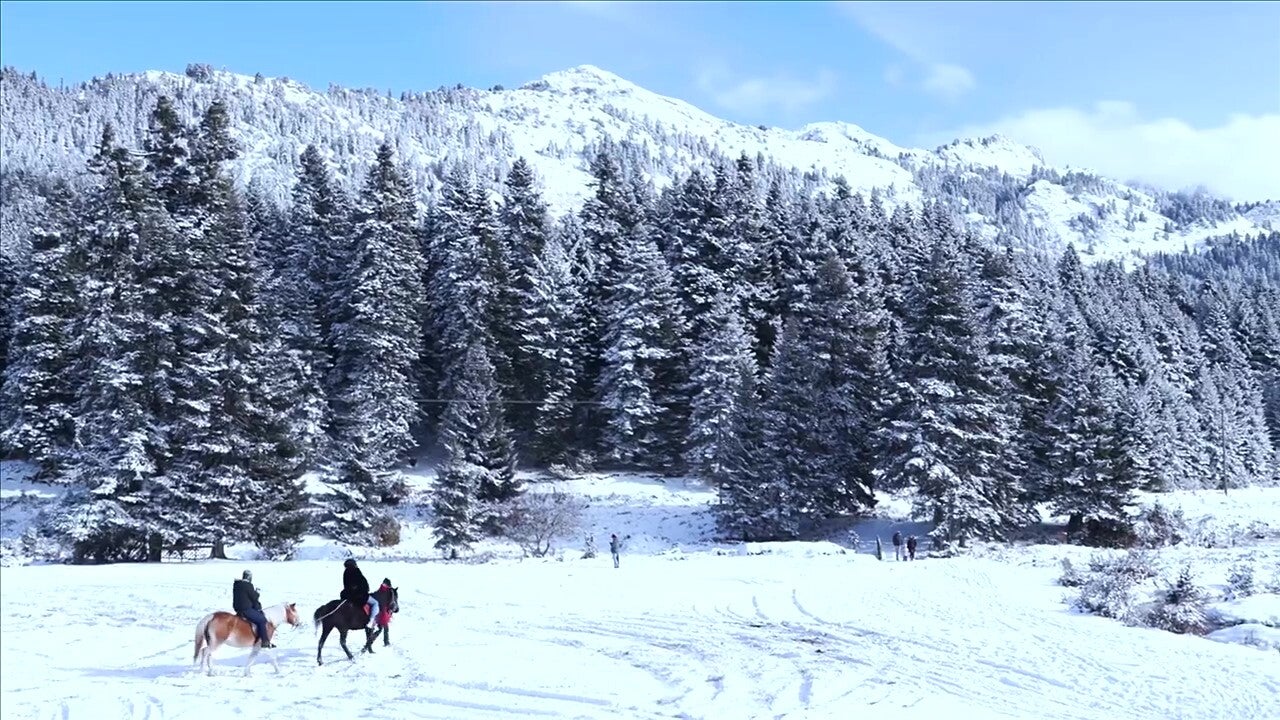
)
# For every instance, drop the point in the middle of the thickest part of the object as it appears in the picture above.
(395, 600)
(291, 615)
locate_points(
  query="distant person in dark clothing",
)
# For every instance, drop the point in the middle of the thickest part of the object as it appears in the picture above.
(911, 547)
(614, 546)
(897, 545)
(245, 603)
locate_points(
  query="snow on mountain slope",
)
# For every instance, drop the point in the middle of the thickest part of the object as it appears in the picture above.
(1002, 189)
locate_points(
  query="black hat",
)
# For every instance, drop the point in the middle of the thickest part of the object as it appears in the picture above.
(351, 562)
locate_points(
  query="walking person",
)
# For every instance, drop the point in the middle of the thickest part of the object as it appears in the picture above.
(614, 546)
(911, 547)
(897, 545)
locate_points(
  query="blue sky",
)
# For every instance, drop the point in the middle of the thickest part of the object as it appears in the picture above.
(1172, 93)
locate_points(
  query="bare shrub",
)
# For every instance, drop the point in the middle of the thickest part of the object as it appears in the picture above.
(386, 530)
(535, 520)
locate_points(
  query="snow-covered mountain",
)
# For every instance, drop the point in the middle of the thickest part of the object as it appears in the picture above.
(1002, 189)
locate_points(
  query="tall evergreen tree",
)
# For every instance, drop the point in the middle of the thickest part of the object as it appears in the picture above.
(723, 369)
(377, 343)
(949, 427)
(524, 234)
(119, 443)
(473, 430)
(37, 397)
(640, 378)
(553, 344)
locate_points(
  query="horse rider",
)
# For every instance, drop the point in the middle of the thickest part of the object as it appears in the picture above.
(355, 589)
(245, 602)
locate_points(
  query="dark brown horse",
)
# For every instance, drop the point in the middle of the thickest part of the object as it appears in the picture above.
(345, 616)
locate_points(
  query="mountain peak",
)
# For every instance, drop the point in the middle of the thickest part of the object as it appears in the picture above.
(586, 77)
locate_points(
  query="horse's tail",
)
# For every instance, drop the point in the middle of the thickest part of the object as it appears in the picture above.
(202, 636)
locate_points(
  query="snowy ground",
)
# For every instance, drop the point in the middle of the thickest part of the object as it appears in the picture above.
(795, 634)
(685, 628)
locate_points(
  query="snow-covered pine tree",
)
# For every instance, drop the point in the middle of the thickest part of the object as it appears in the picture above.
(187, 333)
(8, 316)
(949, 427)
(117, 512)
(286, 369)
(302, 288)
(695, 234)
(860, 370)
(608, 219)
(247, 492)
(38, 395)
(552, 336)
(278, 455)
(377, 343)
(457, 512)
(771, 494)
(749, 504)
(524, 231)
(641, 378)
(318, 253)
(473, 430)
(1091, 481)
(1231, 403)
(722, 368)
(828, 335)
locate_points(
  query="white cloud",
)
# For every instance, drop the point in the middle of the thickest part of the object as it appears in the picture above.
(905, 28)
(895, 74)
(758, 94)
(948, 81)
(604, 9)
(1239, 159)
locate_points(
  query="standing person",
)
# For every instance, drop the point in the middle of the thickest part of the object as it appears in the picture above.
(245, 603)
(355, 589)
(911, 547)
(897, 545)
(614, 546)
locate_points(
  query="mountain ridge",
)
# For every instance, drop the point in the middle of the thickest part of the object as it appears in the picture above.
(1001, 189)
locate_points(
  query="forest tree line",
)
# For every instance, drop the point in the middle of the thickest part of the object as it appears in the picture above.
(180, 353)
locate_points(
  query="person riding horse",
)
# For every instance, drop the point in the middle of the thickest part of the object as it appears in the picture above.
(355, 589)
(245, 603)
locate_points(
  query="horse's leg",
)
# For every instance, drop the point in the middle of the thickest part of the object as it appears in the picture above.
(327, 629)
(369, 637)
(208, 654)
(253, 654)
(386, 635)
(342, 640)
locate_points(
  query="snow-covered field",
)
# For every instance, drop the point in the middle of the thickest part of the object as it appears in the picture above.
(684, 628)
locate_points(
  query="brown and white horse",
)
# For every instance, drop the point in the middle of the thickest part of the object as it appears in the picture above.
(224, 628)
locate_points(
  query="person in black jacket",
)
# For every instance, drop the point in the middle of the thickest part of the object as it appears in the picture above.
(897, 545)
(355, 589)
(245, 602)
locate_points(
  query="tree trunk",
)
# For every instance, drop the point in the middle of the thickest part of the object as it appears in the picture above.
(219, 551)
(1075, 524)
(155, 547)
